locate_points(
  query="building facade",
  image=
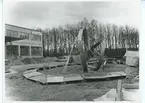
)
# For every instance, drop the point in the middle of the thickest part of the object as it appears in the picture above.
(29, 43)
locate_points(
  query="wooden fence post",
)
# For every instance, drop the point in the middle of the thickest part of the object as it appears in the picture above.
(119, 90)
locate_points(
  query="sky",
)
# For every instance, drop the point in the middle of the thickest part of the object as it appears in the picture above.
(52, 14)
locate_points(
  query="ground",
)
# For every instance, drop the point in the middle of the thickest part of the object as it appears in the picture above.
(19, 88)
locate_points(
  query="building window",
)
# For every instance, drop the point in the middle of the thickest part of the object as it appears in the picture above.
(11, 33)
(24, 50)
(36, 51)
(24, 35)
(8, 32)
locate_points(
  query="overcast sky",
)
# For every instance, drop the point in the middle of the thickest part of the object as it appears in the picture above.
(52, 14)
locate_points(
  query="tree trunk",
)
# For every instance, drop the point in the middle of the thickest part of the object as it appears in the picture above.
(55, 45)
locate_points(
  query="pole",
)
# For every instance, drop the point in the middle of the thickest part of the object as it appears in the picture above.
(119, 90)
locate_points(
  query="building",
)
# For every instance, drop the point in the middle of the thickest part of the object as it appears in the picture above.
(132, 58)
(22, 42)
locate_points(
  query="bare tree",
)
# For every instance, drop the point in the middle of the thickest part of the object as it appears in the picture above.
(60, 39)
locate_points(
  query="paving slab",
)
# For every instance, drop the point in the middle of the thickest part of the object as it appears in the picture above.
(29, 71)
(114, 74)
(70, 78)
(54, 79)
(39, 78)
(102, 75)
(32, 74)
(95, 75)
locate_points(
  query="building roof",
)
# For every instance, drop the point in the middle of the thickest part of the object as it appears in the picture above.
(22, 27)
(132, 53)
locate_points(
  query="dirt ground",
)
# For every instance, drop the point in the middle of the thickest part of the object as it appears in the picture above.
(19, 88)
